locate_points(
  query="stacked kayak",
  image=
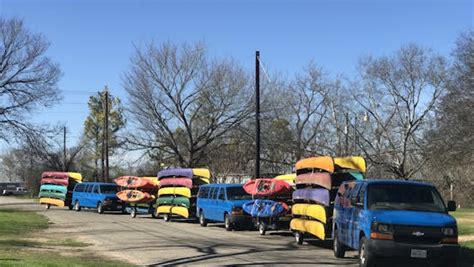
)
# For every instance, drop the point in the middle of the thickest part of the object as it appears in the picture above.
(138, 192)
(56, 188)
(289, 178)
(317, 182)
(178, 190)
(270, 205)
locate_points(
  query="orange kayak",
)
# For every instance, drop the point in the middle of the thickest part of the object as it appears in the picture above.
(319, 163)
(130, 195)
(134, 182)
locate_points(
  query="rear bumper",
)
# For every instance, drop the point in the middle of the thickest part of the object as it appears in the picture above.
(385, 248)
(241, 220)
(114, 206)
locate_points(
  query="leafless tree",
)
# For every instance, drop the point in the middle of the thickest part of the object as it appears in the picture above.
(398, 93)
(182, 102)
(28, 78)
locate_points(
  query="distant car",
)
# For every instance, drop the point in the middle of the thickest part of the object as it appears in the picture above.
(100, 196)
(222, 203)
(12, 189)
(393, 218)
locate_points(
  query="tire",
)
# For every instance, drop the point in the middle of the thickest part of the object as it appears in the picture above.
(155, 214)
(134, 212)
(77, 206)
(338, 248)
(202, 219)
(100, 208)
(70, 207)
(166, 217)
(299, 237)
(227, 222)
(262, 229)
(48, 206)
(365, 260)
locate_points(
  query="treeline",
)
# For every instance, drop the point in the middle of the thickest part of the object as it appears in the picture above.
(410, 114)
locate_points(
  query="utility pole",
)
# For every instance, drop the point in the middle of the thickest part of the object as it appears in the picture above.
(64, 148)
(106, 134)
(257, 114)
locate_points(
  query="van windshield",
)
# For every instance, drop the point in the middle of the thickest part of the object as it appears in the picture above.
(108, 189)
(237, 193)
(404, 197)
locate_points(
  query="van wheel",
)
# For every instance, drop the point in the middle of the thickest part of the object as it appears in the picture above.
(338, 248)
(133, 213)
(202, 219)
(227, 222)
(166, 217)
(365, 260)
(262, 228)
(299, 237)
(77, 206)
(100, 208)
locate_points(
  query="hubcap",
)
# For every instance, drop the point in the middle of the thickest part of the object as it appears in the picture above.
(362, 254)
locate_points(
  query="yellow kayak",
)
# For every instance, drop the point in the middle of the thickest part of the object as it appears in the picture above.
(352, 163)
(51, 201)
(74, 175)
(181, 191)
(323, 163)
(154, 180)
(289, 178)
(307, 226)
(177, 210)
(314, 211)
(202, 172)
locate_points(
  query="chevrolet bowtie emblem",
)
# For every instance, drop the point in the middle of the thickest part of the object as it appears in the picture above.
(418, 233)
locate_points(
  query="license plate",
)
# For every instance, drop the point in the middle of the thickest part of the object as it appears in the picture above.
(418, 253)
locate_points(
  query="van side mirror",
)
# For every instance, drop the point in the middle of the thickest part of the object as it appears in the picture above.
(451, 205)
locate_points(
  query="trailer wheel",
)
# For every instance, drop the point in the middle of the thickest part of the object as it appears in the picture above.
(167, 217)
(299, 237)
(134, 212)
(262, 228)
(48, 206)
(155, 213)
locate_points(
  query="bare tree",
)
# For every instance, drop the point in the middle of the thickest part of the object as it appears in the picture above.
(182, 102)
(398, 93)
(28, 78)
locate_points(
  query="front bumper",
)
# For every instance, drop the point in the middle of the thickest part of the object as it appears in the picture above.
(386, 248)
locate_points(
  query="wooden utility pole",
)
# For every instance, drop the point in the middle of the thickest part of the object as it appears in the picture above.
(106, 134)
(257, 114)
(64, 148)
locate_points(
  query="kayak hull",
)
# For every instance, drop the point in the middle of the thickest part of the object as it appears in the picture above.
(202, 172)
(174, 191)
(308, 226)
(317, 195)
(264, 208)
(174, 201)
(53, 188)
(317, 163)
(174, 210)
(176, 172)
(134, 182)
(351, 163)
(313, 211)
(135, 196)
(320, 179)
(266, 187)
(51, 201)
(179, 181)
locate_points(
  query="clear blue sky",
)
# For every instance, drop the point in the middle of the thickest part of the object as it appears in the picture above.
(93, 40)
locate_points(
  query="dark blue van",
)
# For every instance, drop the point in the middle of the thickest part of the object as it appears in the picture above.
(394, 218)
(100, 196)
(222, 203)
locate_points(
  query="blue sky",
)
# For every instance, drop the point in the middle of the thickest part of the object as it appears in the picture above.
(93, 40)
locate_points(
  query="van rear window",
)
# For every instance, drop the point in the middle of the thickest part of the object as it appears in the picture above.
(237, 193)
(109, 189)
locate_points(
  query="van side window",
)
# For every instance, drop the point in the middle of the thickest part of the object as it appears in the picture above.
(204, 192)
(80, 188)
(214, 193)
(96, 189)
(89, 188)
(221, 195)
(361, 195)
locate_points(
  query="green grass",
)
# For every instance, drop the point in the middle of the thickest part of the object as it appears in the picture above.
(18, 246)
(465, 218)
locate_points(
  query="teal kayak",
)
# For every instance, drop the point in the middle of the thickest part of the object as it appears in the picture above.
(54, 188)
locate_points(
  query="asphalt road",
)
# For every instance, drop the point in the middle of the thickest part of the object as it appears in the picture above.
(147, 241)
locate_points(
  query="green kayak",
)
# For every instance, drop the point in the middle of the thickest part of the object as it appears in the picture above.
(181, 201)
(52, 194)
(54, 188)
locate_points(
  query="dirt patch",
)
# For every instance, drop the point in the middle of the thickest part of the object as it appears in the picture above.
(465, 238)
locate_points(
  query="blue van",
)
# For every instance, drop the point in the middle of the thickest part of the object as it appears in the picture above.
(394, 218)
(100, 196)
(222, 203)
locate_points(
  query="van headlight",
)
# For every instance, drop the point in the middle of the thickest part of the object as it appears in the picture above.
(381, 231)
(448, 231)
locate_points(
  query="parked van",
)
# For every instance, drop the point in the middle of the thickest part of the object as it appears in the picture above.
(394, 218)
(222, 203)
(100, 196)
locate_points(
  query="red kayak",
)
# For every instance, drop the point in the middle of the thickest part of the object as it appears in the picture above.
(55, 175)
(135, 196)
(178, 181)
(266, 187)
(134, 182)
(56, 181)
(321, 179)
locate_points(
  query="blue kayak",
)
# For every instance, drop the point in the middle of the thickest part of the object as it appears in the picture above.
(264, 208)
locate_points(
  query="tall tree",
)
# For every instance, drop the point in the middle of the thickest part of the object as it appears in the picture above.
(398, 93)
(28, 78)
(182, 102)
(94, 128)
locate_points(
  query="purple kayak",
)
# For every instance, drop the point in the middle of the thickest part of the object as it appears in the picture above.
(318, 195)
(176, 172)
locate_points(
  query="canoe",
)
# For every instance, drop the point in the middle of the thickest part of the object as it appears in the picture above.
(55, 181)
(176, 210)
(313, 211)
(176, 172)
(322, 179)
(289, 178)
(175, 191)
(308, 226)
(174, 201)
(317, 195)
(50, 194)
(52, 201)
(264, 208)
(266, 187)
(338, 178)
(317, 163)
(351, 163)
(134, 182)
(202, 172)
(133, 196)
(75, 176)
(178, 181)
(53, 188)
